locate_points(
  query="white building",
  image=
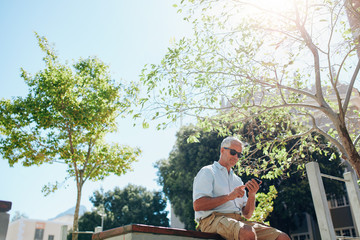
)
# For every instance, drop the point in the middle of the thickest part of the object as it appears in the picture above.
(32, 229)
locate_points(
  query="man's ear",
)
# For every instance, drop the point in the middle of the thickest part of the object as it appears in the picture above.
(222, 150)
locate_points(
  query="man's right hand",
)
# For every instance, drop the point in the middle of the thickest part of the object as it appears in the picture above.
(238, 192)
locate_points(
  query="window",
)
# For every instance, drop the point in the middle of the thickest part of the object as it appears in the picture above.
(348, 232)
(39, 234)
(339, 201)
(51, 237)
(300, 236)
(39, 231)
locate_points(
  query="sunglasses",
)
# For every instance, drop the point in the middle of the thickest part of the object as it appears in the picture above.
(234, 152)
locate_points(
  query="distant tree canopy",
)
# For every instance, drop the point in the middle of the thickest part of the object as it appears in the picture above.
(18, 215)
(65, 118)
(176, 175)
(131, 205)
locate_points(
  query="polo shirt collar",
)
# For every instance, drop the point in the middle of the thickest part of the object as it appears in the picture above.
(221, 167)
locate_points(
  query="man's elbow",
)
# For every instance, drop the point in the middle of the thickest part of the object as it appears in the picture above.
(196, 205)
(247, 216)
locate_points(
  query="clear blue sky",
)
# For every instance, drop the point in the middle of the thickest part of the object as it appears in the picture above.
(124, 34)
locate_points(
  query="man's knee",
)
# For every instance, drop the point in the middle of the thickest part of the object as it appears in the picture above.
(247, 233)
(283, 236)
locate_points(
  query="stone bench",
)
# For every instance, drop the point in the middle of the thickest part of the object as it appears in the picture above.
(146, 232)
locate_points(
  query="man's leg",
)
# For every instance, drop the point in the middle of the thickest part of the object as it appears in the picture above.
(227, 227)
(283, 236)
(247, 233)
(265, 232)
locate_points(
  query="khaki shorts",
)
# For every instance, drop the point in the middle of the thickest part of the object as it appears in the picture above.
(228, 225)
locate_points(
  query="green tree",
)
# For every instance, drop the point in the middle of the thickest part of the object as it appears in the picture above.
(251, 59)
(65, 118)
(131, 205)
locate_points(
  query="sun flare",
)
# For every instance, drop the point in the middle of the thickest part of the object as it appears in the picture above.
(270, 8)
(237, 11)
(275, 5)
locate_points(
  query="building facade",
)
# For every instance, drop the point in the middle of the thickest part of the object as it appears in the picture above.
(32, 229)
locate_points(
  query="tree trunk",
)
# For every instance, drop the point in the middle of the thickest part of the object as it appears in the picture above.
(353, 13)
(76, 213)
(352, 155)
(355, 162)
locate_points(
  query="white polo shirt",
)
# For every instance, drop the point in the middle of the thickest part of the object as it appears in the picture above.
(213, 181)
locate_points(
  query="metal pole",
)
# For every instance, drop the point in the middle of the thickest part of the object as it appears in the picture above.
(102, 222)
(320, 203)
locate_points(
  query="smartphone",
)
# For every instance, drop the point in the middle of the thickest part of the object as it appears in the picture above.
(258, 180)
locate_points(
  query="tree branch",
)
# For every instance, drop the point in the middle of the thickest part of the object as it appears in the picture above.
(350, 88)
(330, 138)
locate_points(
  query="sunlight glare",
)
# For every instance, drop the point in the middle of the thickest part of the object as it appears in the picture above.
(275, 5)
(269, 10)
(269, 7)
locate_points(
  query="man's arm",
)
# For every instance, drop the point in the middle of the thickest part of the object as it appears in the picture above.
(208, 203)
(249, 208)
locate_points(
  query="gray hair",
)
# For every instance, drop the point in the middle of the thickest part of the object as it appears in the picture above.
(228, 140)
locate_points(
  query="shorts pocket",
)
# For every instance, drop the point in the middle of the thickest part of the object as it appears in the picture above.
(205, 224)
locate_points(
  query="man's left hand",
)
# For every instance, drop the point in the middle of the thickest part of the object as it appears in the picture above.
(252, 187)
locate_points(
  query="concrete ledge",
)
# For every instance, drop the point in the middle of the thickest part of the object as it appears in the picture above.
(141, 232)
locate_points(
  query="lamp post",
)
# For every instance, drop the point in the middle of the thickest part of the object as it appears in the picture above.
(101, 211)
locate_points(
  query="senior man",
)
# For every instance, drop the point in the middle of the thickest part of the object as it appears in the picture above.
(220, 201)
